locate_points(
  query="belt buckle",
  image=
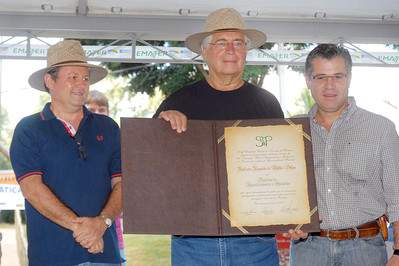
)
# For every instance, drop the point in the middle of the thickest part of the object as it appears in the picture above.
(357, 233)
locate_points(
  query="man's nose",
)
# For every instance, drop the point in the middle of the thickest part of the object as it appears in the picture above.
(229, 47)
(330, 81)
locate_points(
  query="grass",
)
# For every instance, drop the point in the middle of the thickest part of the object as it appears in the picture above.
(141, 250)
(147, 250)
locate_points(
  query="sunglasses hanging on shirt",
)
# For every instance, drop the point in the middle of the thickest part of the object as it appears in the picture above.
(81, 148)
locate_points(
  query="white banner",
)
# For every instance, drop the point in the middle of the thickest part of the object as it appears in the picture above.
(170, 54)
(11, 197)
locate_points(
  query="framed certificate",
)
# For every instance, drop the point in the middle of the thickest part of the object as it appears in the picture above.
(218, 177)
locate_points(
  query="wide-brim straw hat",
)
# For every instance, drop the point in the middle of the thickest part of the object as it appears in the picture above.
(66, 53)
(225, 19)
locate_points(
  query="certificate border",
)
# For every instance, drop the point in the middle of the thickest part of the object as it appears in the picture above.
(226, 228)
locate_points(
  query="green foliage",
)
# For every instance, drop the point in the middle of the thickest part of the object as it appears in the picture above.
(256, 74)
(303, 103)
(145, 78)
(5, 163)
(23, 216)
(7, 216)
(151, 250)
(43, 99)
(168, 77)
(297, 46)
(5, 136)
(394, 46)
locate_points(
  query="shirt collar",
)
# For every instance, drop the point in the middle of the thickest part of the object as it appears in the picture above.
(349, 110)
(47, 114)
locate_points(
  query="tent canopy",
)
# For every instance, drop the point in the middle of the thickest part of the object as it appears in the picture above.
(366, 21)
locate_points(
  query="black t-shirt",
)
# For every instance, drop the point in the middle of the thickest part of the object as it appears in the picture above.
(202, 102)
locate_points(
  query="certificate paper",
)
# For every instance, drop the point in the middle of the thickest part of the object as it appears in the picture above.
(266, 173)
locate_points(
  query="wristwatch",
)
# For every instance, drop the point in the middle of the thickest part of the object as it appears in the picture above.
(106, 219)
(396, 252)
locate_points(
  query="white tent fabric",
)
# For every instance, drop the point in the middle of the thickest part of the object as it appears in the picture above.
(365, 21)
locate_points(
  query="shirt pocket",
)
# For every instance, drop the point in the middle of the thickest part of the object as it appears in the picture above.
(355, 161)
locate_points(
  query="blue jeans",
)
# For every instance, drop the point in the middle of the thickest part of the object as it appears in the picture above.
(123, 256)
(224, 251)
(321, 251)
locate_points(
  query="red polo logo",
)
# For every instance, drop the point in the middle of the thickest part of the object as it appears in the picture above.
(100, 137)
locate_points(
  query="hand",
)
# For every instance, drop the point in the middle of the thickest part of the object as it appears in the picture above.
(393, 261)
(88, 230)
(98, 247)
(178, 121)
(295, 234)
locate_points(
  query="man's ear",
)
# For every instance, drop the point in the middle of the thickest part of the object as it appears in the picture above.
(349, 79)
(203, 53)
(308, 80)
(48, 81)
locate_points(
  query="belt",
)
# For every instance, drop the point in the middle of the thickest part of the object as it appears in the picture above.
(369, 229)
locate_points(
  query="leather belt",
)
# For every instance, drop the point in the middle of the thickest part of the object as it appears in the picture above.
(369, 229)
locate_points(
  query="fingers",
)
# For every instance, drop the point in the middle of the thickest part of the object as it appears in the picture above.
(177, 120)
(97, 247)
(88, 231)
(86, 243)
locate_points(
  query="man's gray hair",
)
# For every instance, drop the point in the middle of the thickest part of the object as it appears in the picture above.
(328, 51)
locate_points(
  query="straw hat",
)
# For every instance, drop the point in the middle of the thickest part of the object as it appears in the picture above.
(224, 19)
(66, 53)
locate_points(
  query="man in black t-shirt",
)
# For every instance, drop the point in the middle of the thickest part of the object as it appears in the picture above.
(223, 95)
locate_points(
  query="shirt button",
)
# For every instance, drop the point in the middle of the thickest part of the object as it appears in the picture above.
(329, 190)
(328, 168)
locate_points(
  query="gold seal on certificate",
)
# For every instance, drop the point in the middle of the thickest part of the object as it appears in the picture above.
(266, 175)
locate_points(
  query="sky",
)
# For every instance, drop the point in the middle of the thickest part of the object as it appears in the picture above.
(374, 88)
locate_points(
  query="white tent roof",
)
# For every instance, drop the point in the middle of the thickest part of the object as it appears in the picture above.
(355, 21)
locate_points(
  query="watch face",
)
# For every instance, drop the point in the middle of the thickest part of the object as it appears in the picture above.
(108, 222)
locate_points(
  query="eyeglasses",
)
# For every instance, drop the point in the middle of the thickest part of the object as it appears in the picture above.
(76, 77)
(340, 77)
(222, 44)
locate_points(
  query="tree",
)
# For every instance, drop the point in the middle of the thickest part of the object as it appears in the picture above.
(303, 103)
(171, 77)
(4, 139)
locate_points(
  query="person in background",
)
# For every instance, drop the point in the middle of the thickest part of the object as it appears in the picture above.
(97, 103)
(222, 95)
(356, 162)
(72, 191)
